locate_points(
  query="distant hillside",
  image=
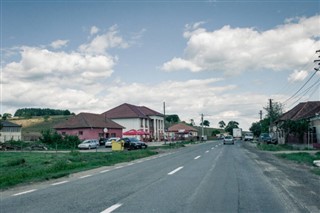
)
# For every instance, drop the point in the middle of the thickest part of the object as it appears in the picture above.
(37, 124)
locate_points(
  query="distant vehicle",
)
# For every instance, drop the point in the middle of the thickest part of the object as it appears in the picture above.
(89, 144)
(108, 142)
(248, 136)
(237, 133)
(266, 138)
(228, 139)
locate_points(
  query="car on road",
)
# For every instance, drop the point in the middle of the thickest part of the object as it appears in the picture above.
(248, 136)
(132, 143)
(108, 142)
(228, 139)
(89, 144)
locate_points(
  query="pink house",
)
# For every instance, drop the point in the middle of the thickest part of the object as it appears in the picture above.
(89, 126)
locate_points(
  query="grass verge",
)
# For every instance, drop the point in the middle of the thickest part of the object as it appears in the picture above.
(25, 167)
(275, 147)
(303, 158)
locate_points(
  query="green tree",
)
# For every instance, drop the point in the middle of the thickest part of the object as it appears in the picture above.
(298, 128)
(172, 119)
(205, 123)
(231, 125)
(274, 111)
(222, 124)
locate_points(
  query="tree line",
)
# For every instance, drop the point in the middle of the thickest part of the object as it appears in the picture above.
(29, 112)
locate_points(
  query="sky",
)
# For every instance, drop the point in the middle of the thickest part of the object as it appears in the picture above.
(223, 59)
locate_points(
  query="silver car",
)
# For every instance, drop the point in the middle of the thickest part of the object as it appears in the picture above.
(228, 139)
(89, 144)
(109, 141)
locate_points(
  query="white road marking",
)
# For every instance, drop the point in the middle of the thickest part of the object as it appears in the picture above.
(25, 192)
(119, 167)
(103, 171)
(174, 171)
(112, 208)
(207, 151)
(197, 157)
(85, 176)
(212, 148)
(58, 183)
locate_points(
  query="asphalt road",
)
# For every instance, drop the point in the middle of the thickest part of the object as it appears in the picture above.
(208, 177)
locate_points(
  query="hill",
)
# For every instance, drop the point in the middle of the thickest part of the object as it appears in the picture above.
(38, 124)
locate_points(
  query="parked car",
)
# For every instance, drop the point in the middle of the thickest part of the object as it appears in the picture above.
(131, 143)
(89, 144)
(143, 145)
(228, 139)
(108, 142)
(266, 138)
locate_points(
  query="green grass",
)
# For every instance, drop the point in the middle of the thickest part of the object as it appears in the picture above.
(25, 167)
(303, 158)
(274, 147)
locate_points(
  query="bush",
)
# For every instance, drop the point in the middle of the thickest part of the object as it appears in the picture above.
(55, 140)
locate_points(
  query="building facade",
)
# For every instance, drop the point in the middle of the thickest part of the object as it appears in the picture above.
(89, 126)
(10, 131)
(138, 118)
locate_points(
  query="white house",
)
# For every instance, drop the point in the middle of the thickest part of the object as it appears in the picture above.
(138, 118)
(9, 131)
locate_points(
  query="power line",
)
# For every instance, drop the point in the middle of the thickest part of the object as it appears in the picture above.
(316, 70)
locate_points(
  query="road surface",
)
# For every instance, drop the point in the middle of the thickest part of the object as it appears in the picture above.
(207, 177)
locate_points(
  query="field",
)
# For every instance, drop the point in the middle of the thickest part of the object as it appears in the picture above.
(25, 167)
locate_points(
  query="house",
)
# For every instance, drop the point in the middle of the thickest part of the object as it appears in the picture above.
(9, 131)
(138, 118)
(308, 111)
(89, 126)
(182, 131)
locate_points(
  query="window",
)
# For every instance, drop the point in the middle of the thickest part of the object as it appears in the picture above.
(63, 133)
(80, 132)
(141, 122)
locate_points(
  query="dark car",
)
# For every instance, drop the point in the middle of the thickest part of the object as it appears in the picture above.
(265, 138)
(131, 143)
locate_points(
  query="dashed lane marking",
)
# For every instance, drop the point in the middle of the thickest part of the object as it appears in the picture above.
(58, 183)
(197, 157)
(25, 192)
(176, 170)
(112, 208)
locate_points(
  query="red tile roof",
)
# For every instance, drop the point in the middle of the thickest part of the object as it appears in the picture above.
(130, 111)
(303, 110)
(181, 126)
(88, 120)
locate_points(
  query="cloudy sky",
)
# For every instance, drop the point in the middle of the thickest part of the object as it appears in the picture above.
(224, 59)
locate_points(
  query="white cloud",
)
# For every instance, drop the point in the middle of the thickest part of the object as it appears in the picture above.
(59, 43)
(101, 43)
(236, 50)
(94, 30)
(298, 76)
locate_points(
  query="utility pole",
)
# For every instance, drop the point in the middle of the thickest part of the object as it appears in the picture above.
(317, 61)
(164, 122)
(271, 111)
(202, 135)
(260, 113)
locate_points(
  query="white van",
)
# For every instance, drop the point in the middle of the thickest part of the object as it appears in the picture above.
(248, 136)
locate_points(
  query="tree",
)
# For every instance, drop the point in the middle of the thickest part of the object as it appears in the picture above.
(222, 124)
(231, 125)
(298, 128)
(192, 123)
(205, 123)
(172, 119)
(274, 111)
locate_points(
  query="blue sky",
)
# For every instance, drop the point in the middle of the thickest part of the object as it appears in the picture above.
(225, 59)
